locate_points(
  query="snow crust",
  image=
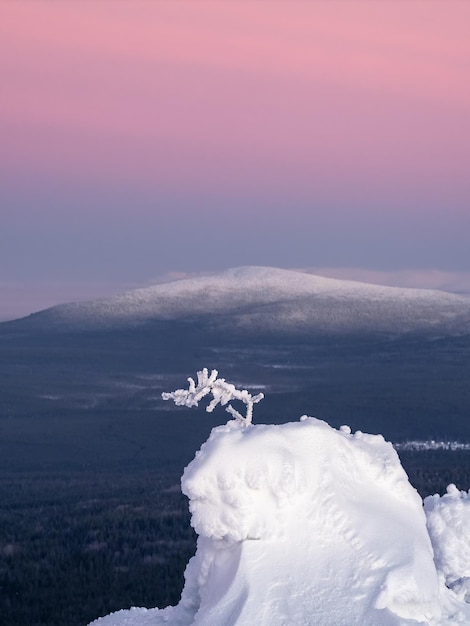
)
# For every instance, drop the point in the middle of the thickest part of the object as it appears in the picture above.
(265, 298)
(302, 524)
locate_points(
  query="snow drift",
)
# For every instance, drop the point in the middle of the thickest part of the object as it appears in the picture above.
(448, 519)
(302, 524)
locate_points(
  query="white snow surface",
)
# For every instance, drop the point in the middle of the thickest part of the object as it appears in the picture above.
(448, 519)
(253, 298)
(300, 524)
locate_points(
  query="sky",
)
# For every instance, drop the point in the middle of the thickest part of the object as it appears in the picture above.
(141, 139)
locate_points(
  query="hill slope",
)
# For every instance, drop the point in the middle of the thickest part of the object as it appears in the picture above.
(253, 299)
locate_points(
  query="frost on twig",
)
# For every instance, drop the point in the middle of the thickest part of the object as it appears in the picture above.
(222, 392)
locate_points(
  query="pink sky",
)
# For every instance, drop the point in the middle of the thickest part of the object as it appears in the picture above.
(240, 92)
(334, 107)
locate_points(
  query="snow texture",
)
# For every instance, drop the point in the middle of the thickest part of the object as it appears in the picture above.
(448, 519)
(300, 524)
(265, 299)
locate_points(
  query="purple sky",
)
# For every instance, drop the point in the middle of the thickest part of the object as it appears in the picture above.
(140, 138)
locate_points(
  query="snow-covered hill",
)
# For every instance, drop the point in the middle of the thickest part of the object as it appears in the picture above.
(301, 524)
(267, 299)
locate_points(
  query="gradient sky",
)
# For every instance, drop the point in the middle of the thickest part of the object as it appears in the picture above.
(139, 138)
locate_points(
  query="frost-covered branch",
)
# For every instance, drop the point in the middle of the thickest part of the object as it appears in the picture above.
(222, 393)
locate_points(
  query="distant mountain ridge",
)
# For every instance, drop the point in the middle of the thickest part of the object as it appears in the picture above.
(253, 299)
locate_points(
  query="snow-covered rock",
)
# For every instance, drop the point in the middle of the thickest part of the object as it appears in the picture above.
(251, 299)
(302, 524)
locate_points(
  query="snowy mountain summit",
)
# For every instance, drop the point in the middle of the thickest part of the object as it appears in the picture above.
(254, 299)
(302, 524)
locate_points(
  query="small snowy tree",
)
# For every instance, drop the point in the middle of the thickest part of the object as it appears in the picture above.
(222, 392)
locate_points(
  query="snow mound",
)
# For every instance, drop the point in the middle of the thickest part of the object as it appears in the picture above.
(302, 524)
(448, 519)
(269, 299)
